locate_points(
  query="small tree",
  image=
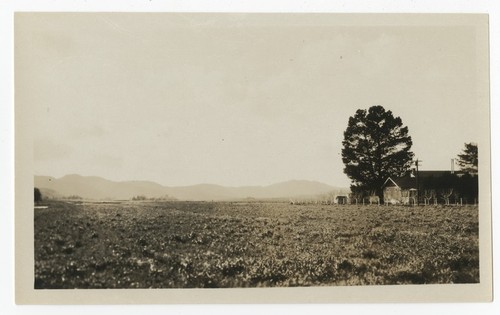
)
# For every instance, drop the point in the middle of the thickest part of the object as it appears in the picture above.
(38, 195)
(468, 160)
(446, 194)
(428, 195)
(357, 195)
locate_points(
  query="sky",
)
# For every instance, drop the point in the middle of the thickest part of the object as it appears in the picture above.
(236, 100)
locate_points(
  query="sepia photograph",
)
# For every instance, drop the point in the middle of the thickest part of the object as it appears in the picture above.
(288, 156)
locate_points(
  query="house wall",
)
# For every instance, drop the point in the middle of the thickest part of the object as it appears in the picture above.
(392, 194)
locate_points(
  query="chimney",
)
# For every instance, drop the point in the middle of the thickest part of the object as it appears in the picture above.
(453, 166)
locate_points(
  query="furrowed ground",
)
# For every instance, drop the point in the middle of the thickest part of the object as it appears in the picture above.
(231, 244)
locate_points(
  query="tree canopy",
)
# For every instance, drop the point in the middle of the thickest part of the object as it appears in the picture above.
(468, 160)
(376, 145)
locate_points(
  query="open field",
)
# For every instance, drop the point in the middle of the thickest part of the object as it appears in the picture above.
(251, 244)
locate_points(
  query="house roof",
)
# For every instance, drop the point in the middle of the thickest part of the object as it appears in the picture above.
(409, 181)
(404, 182)
(427, 174)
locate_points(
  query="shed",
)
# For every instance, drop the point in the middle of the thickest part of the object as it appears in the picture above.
(341, 200)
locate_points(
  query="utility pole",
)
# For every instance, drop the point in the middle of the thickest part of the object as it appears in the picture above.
(417, 161)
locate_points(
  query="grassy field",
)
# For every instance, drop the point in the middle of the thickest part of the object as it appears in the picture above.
(231, 244)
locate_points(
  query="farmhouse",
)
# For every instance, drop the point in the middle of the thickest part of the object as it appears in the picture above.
(404, 189)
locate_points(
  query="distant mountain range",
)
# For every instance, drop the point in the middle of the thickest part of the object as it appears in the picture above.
(93, 187)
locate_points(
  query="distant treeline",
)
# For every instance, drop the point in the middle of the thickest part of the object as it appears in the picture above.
(38, 196)
(142, 197)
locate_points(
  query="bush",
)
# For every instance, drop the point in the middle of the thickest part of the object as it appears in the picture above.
(38, 195)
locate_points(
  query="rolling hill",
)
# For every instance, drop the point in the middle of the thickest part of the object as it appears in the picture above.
(93, 187)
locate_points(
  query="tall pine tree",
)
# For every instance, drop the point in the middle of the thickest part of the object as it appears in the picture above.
(468, 160)
(376, 145)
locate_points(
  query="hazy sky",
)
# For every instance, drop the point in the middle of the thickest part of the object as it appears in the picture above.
(235, 100)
